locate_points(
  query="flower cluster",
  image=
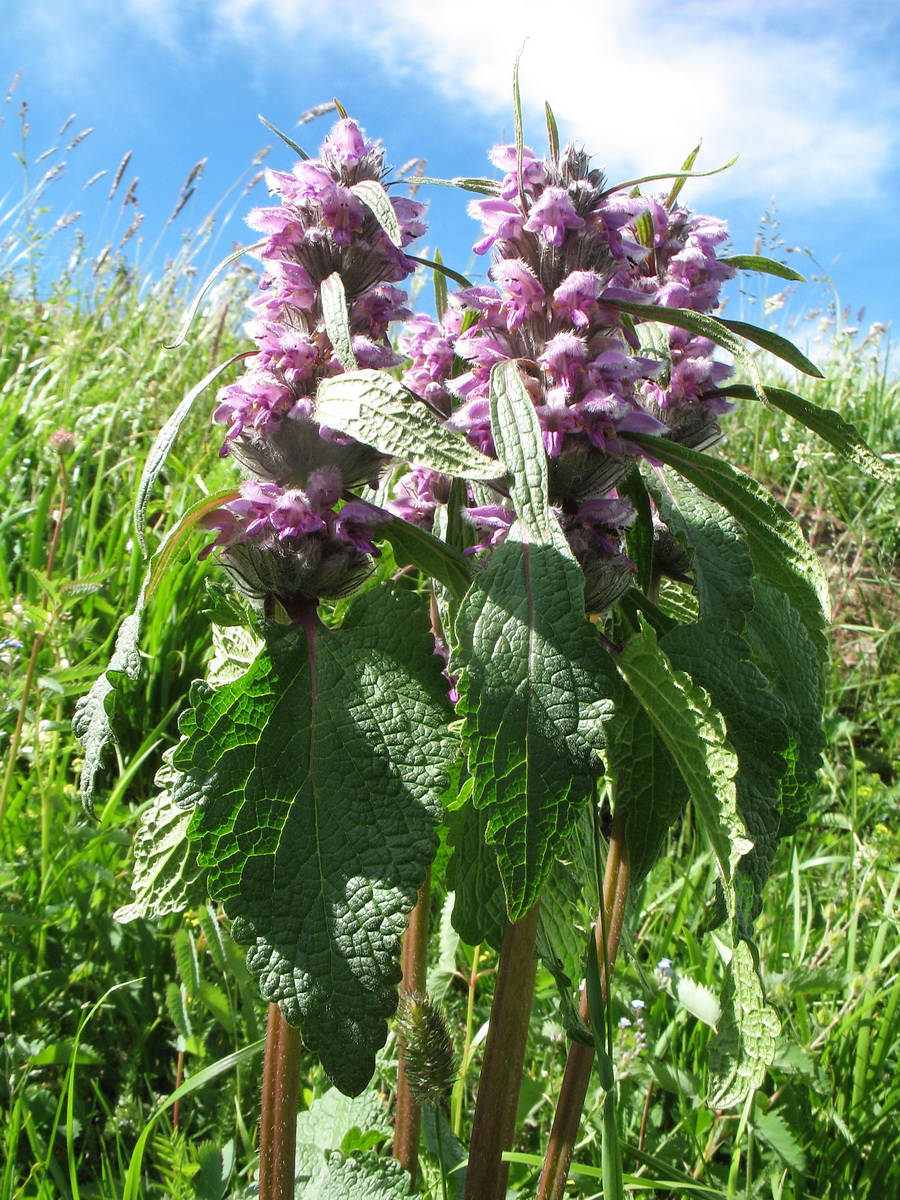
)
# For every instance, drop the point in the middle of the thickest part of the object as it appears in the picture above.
(566, 255)
(295, 529)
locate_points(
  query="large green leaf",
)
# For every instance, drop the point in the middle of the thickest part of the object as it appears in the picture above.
(647, 784)
(337, 321)
(780, 551)
(532, 684)
(828, 424)
(693, 732)
(720, 560)
(317, 779)
(719, 659)
(377, 410)
(783, 648)
(479, 906)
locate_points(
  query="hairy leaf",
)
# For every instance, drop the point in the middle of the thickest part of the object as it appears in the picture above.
(740, 1053)
(167, 877)
(780, 551)
(431, 555)
(376, 409)
(719, 659)
(533, 687)
(376, 199)
(766, 266)
(337, 322)
(317, 779)
(720, 560)
(829, 425)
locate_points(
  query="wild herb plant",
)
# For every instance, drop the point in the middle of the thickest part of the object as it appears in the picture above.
(525, 527)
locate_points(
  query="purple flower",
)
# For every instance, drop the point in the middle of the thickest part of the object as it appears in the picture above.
(534, 173)
(346, 143)
(552, 215)
(522, 293)
(501, 220)
(576, 297)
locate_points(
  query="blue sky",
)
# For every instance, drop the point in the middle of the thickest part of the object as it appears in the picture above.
(806, 92)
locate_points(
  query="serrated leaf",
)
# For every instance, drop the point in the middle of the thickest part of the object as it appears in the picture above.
(376, 199)
(839, 433)
(322, 1127)
(213, 933)
(363, 1177)
(773, 1129)
(647, 784)
(780, 551)
(165, 439)
(377, 410)
(421, 549)
(185, 951)
(92, 720)
(699, 1001)
(333, 299)
(766, 266)
(719, 659)
(177, 1008)
(639, 535)
(720, 560)
(784, 650)
(441, 974)
(740, 1053)
(166, 875)
(317, 779)
(694, 735)
(532, 685)
(479, 905)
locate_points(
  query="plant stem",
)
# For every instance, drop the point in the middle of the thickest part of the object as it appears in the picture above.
(278, 1121)
(414, 962)
(581, 1058)
(494, 1122)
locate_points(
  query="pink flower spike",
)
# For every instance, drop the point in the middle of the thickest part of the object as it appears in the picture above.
(552, 215)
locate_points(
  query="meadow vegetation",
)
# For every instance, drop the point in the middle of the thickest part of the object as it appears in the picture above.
(103, 1020)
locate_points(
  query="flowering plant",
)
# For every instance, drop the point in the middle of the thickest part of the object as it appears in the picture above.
(507, 510)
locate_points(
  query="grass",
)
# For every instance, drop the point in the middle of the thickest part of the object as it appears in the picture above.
(103, 1021)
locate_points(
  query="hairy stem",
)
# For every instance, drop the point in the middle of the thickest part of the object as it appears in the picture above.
(280, 1097)
(581, 1058)
(494, 1123)
(414, 963)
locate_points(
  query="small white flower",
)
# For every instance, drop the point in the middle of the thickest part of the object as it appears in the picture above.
(624, 1023)
(637, 1005)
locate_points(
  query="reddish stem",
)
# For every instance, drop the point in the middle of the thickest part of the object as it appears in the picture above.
(414, 963)
(581, 1058)
(494, 1123)
(280, 1099)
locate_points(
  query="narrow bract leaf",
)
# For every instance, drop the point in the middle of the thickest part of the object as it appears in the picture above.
(92, 721)
(441, 269)
(337, 321)
(165, 439)
(207, 284)
(376, 199)
(288, 141)
(828, 424)
(766, 266)
(485, 187)
(417, 547)
(316, 779)
(377, 410)
(775, 344)
(630, 183)
(780, 551)
(682, 179)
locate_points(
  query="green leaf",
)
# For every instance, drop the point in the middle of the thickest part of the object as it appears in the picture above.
(780, 551)
(740, 1053)
(207, 284)
(767, 266)
(784, 650)
(479, 907)
(647, 784)
(694, 735)
(377, 410)
(682, 174)
(322, 1127)
(92, 720)
(775, 344)
(773, 1129)
(532, 687)
(439, 282)
(419, 548)
(438, 266)
(317, 779)
(185, 950)
(288, 141)
(720, 560)
(719, 660)
(337, 321)
(829, 425)
(165, 439)
(682, 179)
(376, 199)
(552, 133)
(166, 875)
(639, 536)
(363, 1177)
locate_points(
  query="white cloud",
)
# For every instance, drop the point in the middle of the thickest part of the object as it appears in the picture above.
(641, 81)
